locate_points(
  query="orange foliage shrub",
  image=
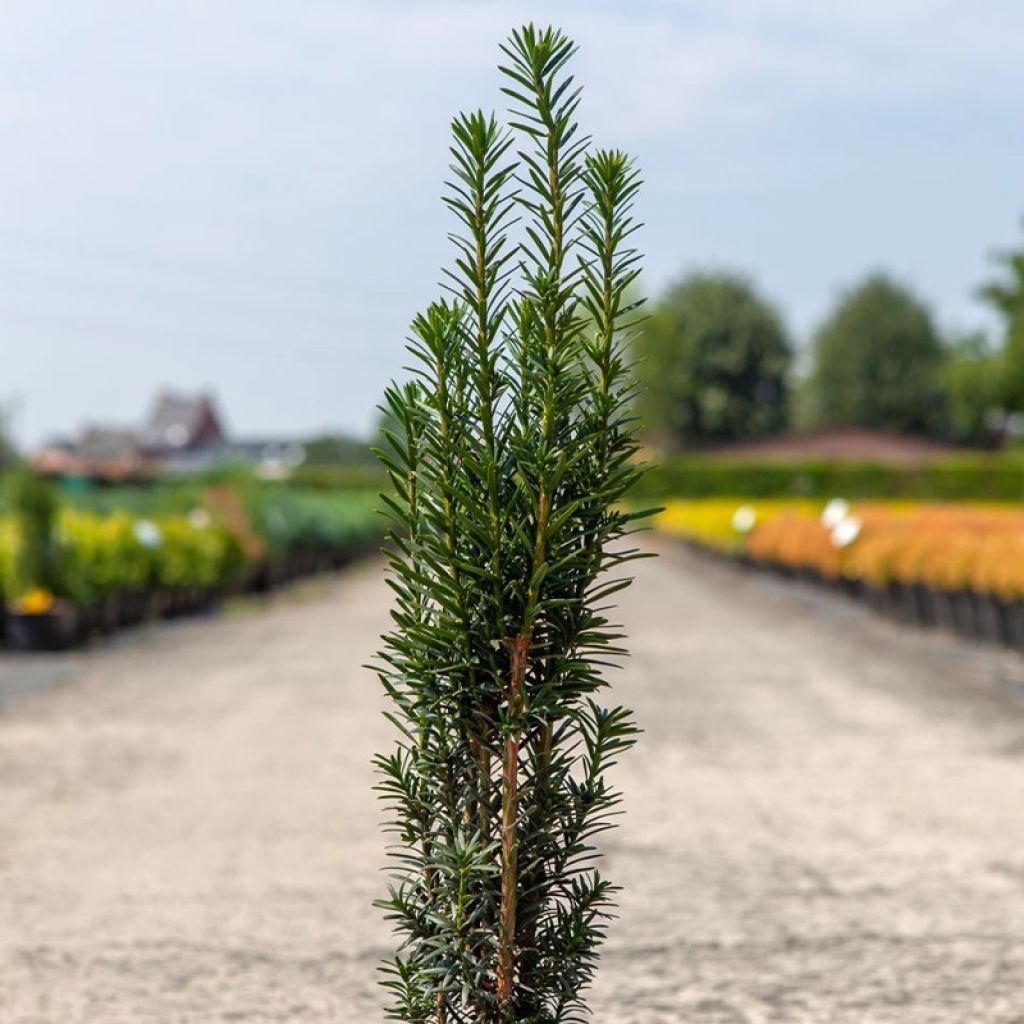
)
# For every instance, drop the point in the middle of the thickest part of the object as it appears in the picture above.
(949, 547)
(797, 542)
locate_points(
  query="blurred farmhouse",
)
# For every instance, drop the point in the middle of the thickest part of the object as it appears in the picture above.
(183, 434)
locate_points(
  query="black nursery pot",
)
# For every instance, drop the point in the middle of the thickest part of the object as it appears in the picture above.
(55, 630)
(175, 602)
(911, 604)
(922, 605)
(901, 602)
(131, 608)
(808, 575)
(943, 605)
(1013, 617)
(279, 572)
(104, 615)
(879, 599)
(203, 599)
(965, 618)
(258, 580)
(990, 617)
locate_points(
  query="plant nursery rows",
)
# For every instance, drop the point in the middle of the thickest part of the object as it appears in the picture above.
(953, 566)
(74, 566)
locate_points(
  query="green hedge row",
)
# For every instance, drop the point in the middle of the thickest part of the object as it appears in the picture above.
(974, 477)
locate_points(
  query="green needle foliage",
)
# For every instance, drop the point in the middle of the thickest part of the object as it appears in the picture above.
(510, 450)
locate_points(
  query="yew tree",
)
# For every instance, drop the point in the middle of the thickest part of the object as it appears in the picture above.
(510, 449)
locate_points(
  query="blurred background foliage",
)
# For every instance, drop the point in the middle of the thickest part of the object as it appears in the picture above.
(715, 360)
(84, 543)
(876, 362)
(719, 365)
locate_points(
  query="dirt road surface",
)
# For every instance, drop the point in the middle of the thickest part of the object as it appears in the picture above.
(825, 817)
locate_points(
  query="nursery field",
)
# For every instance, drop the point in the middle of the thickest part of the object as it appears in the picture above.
(821, 818)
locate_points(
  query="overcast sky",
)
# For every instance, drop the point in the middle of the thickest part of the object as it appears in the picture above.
(243, 194)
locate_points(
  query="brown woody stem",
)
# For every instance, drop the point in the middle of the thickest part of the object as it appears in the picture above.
(518, 647)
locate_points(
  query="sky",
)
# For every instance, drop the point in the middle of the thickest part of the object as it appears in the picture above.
(243, 195)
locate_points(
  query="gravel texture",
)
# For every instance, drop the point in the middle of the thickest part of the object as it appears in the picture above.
(825, 817)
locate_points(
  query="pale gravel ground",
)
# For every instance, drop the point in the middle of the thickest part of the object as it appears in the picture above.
(824, 817)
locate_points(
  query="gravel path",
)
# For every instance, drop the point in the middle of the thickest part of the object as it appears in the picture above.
(824, 817)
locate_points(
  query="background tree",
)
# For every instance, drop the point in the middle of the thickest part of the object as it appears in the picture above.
(877, 361)
(511, 458)
(714, 358)
(973, 388)
(1006, 296)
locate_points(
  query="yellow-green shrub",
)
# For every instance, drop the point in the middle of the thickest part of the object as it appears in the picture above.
(194, 556)
(105, 554)
(11, 583)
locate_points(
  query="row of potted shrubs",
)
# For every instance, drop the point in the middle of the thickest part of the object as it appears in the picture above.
(68, 573)
(953, 566)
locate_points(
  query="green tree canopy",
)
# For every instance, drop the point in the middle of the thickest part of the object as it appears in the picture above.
(1006, 296)
(972, 384)
(715, 359)
(877, 361)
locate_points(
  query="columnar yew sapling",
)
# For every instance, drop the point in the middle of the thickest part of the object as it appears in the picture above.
(510, 450)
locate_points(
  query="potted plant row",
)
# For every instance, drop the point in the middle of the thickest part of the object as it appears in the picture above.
(955, 568)
(67, 575)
